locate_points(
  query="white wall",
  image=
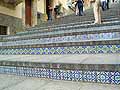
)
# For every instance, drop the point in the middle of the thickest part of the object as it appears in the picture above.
(17, 12)
(41, 6)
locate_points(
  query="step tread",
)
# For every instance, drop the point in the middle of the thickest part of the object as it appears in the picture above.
(67, 59)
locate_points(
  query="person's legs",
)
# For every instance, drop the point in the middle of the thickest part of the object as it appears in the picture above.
(103, 5)
(76, 10)
(50, 17)
(97, 13)
(81, 10)
(107, 5)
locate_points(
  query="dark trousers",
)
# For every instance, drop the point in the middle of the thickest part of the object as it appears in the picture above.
(104, 6)
(107, 4)
(80, 8)
(49, 14)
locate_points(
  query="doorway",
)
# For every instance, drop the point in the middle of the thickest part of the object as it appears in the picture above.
(28, 12)
(3, 30)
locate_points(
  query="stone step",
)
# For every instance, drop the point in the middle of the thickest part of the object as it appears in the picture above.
(93, 76)
(94, 37)
(70, 29)
(87, 59)
(88, 16)
(69, 24)
(63, 26)
(99, 68)
(105, 37)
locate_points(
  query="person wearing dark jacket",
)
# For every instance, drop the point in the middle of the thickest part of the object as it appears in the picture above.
(49, 12)
(80, 7)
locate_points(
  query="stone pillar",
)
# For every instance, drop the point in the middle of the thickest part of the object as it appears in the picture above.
(23, 13)
(34, 12)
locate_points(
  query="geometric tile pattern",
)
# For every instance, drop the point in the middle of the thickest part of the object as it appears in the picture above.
(94, 49)
(115, 77)
(103, 77)
(89, 76)
(73, 38)
(58, 74)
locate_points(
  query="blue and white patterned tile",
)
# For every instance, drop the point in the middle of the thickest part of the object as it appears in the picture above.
(101, 36)
(64, 75)
(47, 73)
(1, 69)
(92, 49)
(43, 73)
(65, 50)
(89, 76)
(117, 48)
(12, 70)
(54, 75)
(61, 74)
(76, 75)
(103, 77)
(20, 71)
(68, 75)
(51, 73)
(115, 77)
(58, 75)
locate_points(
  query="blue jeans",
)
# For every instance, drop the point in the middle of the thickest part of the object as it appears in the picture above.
(50, 15)
(104, 5)
(80, 8)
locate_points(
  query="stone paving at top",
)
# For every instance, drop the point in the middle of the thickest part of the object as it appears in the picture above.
(11, 82)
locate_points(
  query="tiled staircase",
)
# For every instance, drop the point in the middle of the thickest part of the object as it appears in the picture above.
(114, 11)
(75, 51)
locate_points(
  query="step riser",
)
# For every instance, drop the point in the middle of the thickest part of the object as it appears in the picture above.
(62, 39)
(66, 66)
(69, 75)
(84, 26)
(111, 32)
(96, 30)
(67, 25)
(95, 49)
(37, 36)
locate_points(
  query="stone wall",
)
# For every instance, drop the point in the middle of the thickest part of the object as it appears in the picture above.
(14, 24)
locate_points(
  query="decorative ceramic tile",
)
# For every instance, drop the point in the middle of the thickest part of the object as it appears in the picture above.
(103, 77)
(115, 77)
(76, 75)
(95, 49)
(57, 74)
(73, 38)
(89, 76)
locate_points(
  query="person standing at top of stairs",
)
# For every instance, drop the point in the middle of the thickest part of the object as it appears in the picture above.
(96, 10)
(49, 12)
(80, 7)
(104, 4)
